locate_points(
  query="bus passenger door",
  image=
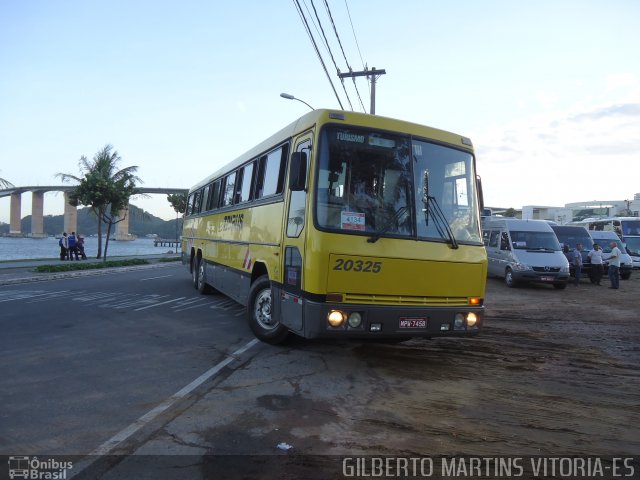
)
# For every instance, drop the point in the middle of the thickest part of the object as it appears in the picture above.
(294, 239)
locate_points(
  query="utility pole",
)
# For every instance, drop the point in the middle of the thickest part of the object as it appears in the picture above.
(374, 74)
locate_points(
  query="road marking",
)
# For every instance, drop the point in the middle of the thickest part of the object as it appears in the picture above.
(152, 414)
(153, 278)
(28, 295)
(158, 304)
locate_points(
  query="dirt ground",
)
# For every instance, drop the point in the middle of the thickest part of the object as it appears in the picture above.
(555, 372)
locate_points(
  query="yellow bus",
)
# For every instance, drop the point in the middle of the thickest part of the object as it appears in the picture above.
(341, 225)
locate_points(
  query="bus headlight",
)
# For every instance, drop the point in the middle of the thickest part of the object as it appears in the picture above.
(336, 318)
(472, 319)
(355, 320)
(458, 322)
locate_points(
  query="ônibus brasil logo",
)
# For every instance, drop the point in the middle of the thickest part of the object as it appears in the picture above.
(38, 469)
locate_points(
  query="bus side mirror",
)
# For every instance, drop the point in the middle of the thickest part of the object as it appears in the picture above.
(298, 171)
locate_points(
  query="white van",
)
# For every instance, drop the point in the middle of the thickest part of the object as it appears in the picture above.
(524, 251)
(604, 239)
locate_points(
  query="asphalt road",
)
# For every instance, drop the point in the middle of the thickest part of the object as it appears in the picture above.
(85, 357)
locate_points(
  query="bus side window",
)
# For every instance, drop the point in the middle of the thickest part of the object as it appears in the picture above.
(244, 186)
(189, 205)
(197, 201)
(229, 189)
(214, 198)
(205, 198)
(270, 174)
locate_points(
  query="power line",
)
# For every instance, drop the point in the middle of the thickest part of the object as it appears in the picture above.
(331, 53)
(335, 30)
(315, 46)
(354, 35)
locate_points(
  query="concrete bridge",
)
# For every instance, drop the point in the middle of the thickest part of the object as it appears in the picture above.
(70, 212)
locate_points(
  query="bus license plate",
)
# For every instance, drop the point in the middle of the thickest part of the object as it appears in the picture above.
(547, 279)
(406, 322)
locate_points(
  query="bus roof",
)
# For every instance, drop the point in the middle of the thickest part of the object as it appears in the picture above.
(324, 116)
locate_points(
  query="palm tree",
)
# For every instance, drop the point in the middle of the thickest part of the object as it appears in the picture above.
(103, 188)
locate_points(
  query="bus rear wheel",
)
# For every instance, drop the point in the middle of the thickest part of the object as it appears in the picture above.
(201, 278)
(260, 312)
(194, 271)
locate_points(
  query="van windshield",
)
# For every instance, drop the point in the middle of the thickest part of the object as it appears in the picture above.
(605, 243)
(571, 237)
(633, 246)
(534, 241)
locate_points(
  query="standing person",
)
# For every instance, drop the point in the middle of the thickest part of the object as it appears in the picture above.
(80, 246)
(73, 246)
(614, 266)
(64, 246)
(577, 263)
(596, 264)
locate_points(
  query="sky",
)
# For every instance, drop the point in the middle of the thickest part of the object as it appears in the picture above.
(548, 91)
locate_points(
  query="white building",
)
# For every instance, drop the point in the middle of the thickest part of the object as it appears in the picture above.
(580, 210)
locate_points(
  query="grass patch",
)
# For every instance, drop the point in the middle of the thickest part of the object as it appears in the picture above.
(68, 267)
(167, 259)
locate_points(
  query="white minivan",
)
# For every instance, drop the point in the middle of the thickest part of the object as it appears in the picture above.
(524, 251)
(604, 239)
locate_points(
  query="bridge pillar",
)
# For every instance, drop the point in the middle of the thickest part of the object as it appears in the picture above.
(122, 228)
(37, 217)
(70, 215)
(15, 214)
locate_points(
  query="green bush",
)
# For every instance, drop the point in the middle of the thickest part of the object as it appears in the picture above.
(68, 267)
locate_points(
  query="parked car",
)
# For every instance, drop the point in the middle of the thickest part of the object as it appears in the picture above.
(524, 251)
(604, 239)
(569, 236)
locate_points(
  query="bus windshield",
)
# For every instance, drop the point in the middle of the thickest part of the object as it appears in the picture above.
(630, 227)
(374, 184)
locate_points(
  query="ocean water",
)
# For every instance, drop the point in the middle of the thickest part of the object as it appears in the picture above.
(12, 248)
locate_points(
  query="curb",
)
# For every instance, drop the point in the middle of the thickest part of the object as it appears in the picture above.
(43, 277)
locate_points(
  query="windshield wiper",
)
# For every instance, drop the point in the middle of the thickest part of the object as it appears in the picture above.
(393, 221)
(440, 221)
(431, 206)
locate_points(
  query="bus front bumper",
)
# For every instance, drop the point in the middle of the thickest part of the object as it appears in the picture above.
(391, 321)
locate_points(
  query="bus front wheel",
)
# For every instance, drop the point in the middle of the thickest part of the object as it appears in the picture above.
(260, 312)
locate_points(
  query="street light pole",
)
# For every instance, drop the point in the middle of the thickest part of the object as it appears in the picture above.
(291, 97)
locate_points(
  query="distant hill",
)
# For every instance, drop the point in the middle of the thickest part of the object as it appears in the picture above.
(141, 223)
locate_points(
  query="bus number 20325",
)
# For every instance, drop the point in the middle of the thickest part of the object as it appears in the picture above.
(364, 266)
